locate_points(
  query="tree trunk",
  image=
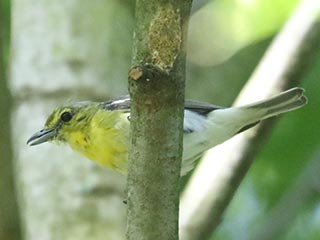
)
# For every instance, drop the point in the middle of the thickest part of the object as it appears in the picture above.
(156, 86)
(9, 220)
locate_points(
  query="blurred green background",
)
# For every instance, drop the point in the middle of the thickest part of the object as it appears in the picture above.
(227, 39)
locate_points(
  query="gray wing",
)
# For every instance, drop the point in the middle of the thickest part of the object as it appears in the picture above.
(194, 115)
(123, 104)
(117, 104)
(202, 108)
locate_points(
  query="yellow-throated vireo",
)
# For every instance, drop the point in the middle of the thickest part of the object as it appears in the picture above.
(100, 130)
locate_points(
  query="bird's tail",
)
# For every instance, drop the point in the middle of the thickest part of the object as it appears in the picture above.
(245, 116)
(283, 102)
(223, 123)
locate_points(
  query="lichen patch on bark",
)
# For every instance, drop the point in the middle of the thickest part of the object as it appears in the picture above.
(165, 37)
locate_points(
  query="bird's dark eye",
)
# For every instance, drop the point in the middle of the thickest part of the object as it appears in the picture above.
(66, 116)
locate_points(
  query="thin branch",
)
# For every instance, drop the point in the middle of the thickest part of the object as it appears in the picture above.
(219, 174)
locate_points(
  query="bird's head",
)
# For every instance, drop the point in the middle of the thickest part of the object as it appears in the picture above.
(63, 121)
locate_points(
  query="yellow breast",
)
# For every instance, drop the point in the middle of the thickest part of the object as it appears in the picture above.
(105, 141)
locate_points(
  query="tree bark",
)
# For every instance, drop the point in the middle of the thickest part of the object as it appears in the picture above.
(63, 51)
(156, 86)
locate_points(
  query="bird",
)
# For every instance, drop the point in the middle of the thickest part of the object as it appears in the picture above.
(100, 130)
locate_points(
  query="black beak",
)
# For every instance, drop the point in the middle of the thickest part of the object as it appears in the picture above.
(42, 136)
